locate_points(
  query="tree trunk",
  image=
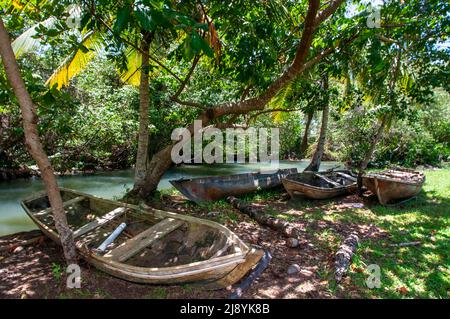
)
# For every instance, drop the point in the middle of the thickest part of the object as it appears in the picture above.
(144, 100)
(344, 256)
(304, 145)
(34, 145)
(283, 227)
(317, 157)
(373, 145)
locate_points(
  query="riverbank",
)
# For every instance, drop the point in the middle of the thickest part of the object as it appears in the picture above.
(418, 271)
(26, 172)
(110, 185)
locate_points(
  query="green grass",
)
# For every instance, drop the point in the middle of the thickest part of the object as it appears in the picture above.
(57, 271)
(423, 270)
(157, 293)
(406, 272)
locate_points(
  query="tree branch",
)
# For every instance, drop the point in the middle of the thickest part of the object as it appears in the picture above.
(386, 39)
(270, 111)
(328, 11)
(297, 66)
(189, 103)
(186, 79)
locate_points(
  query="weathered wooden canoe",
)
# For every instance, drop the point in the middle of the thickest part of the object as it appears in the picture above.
(156, 246)
(216, 187)
(394, 184)
(320, 185)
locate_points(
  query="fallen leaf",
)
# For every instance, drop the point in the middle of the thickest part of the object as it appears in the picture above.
(357, 269)
(403, 290)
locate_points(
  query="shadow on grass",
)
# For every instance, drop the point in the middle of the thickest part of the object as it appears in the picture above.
(417, 271)
(420, 270)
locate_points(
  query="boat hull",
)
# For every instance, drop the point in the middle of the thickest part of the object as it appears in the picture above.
(305, 189)
(390, 190)
(215, 273)
(217, 187)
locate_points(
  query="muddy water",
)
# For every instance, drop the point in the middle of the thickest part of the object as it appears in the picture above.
(110, 185)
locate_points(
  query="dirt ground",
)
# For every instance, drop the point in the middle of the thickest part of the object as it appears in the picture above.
(36, 270)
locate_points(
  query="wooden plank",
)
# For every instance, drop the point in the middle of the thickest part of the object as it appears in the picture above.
(99, 221)
(328, 180)
(65, 204)
(354, 179)
(134, 245)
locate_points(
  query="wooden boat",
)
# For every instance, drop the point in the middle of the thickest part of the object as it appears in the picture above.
(157, 247)
(394, 184)
(321, 185)
(216, 187)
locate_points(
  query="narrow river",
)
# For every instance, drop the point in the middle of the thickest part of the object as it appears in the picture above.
(110, 185)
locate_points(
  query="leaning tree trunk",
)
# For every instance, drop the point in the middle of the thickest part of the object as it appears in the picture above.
(317, 157)
(304, 145)
(373, 145)
(369, 154)
(144, 100)
(34, 145)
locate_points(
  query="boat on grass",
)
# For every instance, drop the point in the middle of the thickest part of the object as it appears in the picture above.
(217, 187)
(320, 185)
(394, 184)
(156, 246)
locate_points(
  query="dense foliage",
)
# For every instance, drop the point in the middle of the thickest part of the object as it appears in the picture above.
(84, 79)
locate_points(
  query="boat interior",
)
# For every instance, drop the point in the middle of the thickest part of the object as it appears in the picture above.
(147, 240)
(395, 174)
(328, 180)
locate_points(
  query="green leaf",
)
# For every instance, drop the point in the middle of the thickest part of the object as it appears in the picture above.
(145, 19)
(160, 19)
(207, 49)
(123, 18)
(196, 42)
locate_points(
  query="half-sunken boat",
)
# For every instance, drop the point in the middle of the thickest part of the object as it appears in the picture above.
(216, 187)
(320, 185)
(156, 246)
(395, 184)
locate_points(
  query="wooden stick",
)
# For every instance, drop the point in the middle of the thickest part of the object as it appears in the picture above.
(326, 179)
(411, 243)
(353, 179)
(281, 226)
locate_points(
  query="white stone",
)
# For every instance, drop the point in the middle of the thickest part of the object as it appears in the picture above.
(292, 242)
(293, 269)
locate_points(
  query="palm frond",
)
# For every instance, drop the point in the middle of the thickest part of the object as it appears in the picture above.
(133, 73)
(26, 42)
(18, 6)
(279, 102)
(76, 61)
